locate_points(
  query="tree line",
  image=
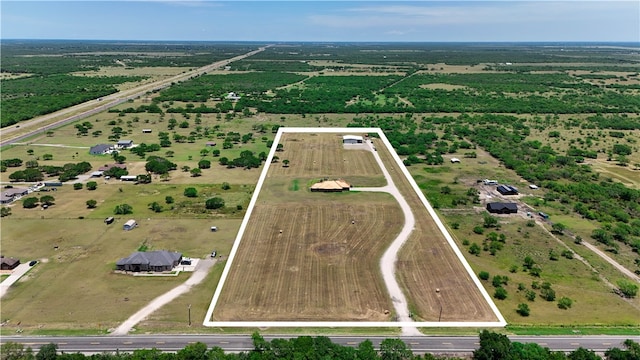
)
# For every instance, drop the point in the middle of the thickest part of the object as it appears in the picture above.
(493, 346)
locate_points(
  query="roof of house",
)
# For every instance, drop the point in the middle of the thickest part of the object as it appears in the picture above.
(125, 142)
(352, 137)
(100, 148)
(500, 206)
(152, 258)
(10, 193)
(507, 189)
(331, 185)
(9, 261)
(130, 222)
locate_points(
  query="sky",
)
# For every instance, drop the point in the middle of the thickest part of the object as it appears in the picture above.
(323, 21)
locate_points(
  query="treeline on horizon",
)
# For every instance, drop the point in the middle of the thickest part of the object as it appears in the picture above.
(493, 346)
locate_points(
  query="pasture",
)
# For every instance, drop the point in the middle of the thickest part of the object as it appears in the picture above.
(74, 286)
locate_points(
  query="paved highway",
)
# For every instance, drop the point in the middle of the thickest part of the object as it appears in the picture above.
(237, 343)
(25, 129)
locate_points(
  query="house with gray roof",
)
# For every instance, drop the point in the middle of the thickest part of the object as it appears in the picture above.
(100, 149)
(11, 194)
(149, 261)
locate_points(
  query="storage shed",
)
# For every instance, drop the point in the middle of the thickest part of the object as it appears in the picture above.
(129, 225)
(352, 139)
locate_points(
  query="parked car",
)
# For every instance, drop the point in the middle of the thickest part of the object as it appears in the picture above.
(213, 254)
(33, 262)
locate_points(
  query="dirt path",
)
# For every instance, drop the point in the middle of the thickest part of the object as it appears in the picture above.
(388, 261)
(198, 275)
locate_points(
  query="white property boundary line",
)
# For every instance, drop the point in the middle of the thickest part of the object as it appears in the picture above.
(207, 320)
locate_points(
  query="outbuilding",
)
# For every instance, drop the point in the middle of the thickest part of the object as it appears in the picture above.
(125, 144)
(507, 190)
(128, 178)
(129, 225)
(352, 139)
(455, 160)
(502, 208)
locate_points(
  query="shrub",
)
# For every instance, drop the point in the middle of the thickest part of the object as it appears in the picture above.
(548, 294)
(500, 293)
(523, 310)
(628, 288)
(191, 192)
(564, 303)
(474, 249)
(77, 186)
(483, 275)
(91, 203)
(530, 295)
(226, 186)
(478, 229)
(123, 209)
(214, 203)
(92, 185)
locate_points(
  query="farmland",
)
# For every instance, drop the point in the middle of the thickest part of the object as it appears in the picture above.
(568, 124)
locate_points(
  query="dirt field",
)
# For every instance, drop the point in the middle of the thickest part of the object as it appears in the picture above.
(320, 266)
(427, 262)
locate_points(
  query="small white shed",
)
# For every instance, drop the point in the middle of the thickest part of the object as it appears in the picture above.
(129, 225)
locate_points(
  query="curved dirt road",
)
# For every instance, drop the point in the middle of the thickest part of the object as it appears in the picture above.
(388, 261)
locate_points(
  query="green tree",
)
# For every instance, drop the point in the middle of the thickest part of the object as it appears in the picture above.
(483, 275)
(493, 346)
(195, 172)
(489, 220)
(394, 349)
(155, 207)
(475, 249)
(91, 204)
(500, 293)
(558, 228)
(523, 309)
(123, 209)
(194, 351)
(30, 202)
(5, 211)
(92, 185)
(214, 203)
(204, 164)
(565, 303)
(366, 351)
(285, 163)
(47, 200)
(15, 351)
(583, 354)
(226, 186)
(169, 199)
(47, 352)
(77, 186)
(191, 192)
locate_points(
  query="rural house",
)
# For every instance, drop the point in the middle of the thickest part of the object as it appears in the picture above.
(352, 139)
(502, 208)
(8, 195)
(331, 186)
(129, 225)
(100, 149)
(8, 263)
(149, 261)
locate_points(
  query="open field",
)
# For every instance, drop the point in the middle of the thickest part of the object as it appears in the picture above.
(74, 286)
(320, 266)
(427, 263)
(453, 95)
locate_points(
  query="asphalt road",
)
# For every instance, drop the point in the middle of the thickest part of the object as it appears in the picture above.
(41, 124)
(237, 343)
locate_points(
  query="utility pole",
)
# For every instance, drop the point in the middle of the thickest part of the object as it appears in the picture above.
(189, 308)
